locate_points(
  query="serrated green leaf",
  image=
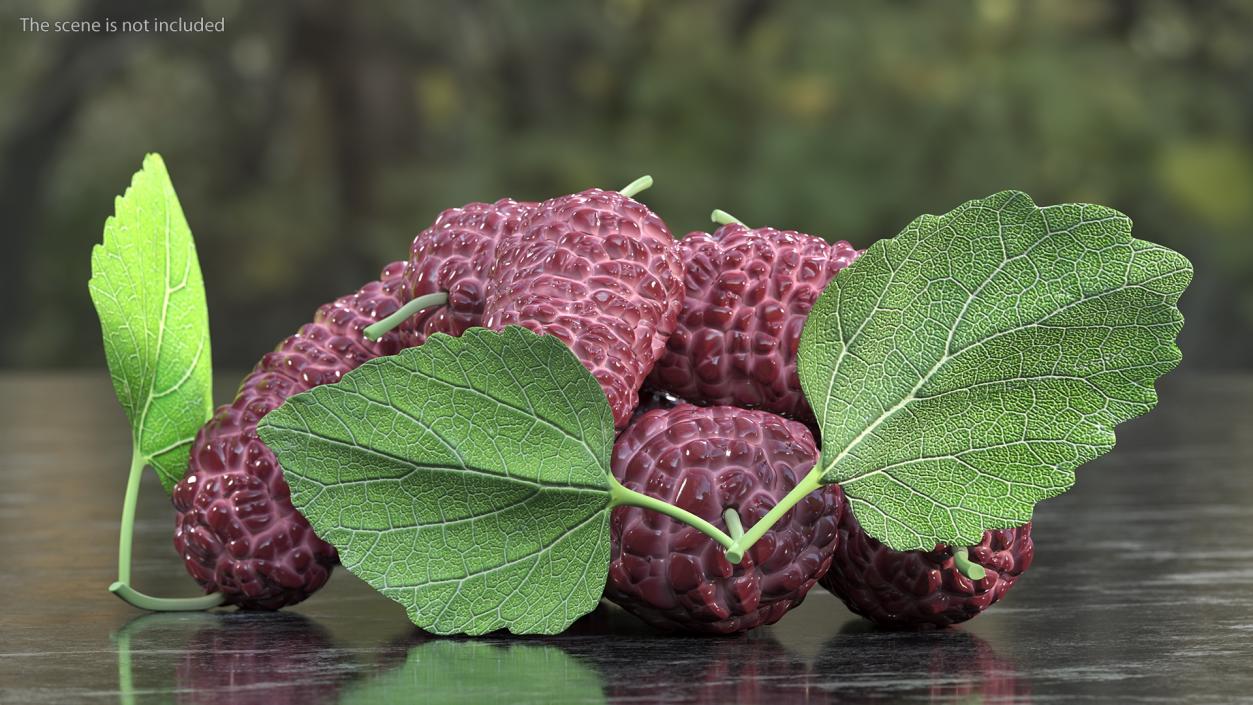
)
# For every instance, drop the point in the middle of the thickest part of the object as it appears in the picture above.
(474, 673)
(149, 295)
(467, 479)
(962, 370)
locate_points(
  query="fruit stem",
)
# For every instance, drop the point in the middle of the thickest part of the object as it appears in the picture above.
(811, 482)
(735, 527)
(122, 587)
(967, 567)
(722, 217)
(128, 515)
(620, 495)
(135, 598)
(377, 330)
(641, 184)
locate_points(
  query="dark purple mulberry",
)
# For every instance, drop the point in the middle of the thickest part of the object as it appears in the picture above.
(707, 460)
(236, 528)
(599, 271)
(747, 295)
(455, 255)
(923, 589)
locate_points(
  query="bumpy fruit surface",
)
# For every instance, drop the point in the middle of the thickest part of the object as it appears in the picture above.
(707, 460)
(747, 295)
(599, 271)
(236, 528)
(923, 589)
(455, 255)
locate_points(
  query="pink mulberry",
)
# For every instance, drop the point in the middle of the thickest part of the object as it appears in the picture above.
(455, 256)
(747, 295)
(599, 271)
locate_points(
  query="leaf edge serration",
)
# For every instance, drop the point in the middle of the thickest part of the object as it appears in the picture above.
(825, 319)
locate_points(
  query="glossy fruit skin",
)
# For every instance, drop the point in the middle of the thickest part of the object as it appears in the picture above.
(602, 273)
(706, 460)
(747, 294)
(236, 528)
(455, 255)
(923, 589)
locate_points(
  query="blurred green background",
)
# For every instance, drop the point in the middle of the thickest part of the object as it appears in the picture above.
(311, 140)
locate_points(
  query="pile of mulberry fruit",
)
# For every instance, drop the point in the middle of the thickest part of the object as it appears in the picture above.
(694, 343)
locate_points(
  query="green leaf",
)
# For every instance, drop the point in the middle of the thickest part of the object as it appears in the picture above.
(467, 479)
(474, 673)
(149, 295)
(962, 370)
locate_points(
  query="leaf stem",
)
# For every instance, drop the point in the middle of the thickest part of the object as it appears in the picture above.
(377, 330)
(811, 482)
(122, 587)
(641, 184)
(620, 495)
(722, 217)
(735, 527)
(127, 534)
(967, 567)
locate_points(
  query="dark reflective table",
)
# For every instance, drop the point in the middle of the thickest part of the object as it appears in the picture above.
(1142, 590)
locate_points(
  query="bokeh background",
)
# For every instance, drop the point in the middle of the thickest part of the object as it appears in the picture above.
(312, 139)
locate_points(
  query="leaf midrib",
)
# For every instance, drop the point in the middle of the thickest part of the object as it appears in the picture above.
(828, 467)
(950, 355)
(415, 467)
(537, 552)
(599, 462)
(168, 291)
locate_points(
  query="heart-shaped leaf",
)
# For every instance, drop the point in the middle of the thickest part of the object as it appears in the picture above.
(467, 479)
(962, 370)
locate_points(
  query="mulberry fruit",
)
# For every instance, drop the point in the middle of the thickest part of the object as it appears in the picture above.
(923, 589)
(706, 461)
(236, 528)
(747, 295)
(602, 273)
(454, 255)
